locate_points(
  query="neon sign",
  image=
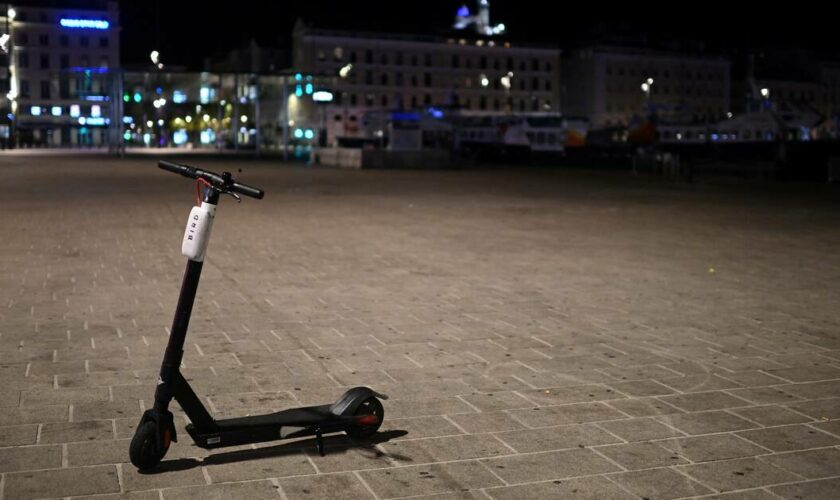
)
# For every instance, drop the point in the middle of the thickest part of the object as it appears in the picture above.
(91, 24)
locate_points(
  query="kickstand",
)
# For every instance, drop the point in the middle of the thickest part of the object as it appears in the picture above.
(319, 439)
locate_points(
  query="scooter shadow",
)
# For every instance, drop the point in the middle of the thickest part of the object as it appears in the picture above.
(333, 445)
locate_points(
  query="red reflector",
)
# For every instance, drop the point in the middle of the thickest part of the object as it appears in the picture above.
(368, 420)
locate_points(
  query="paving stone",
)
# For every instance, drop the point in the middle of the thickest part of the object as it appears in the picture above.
(703, 401)
(824, 489)
(557, 438)
(566, 414)
(742, 473)
(421, 427)
(168, 474)
(29, 457)
(275, 460)
(44, 414)
(549, 465)
(45, 397)
(812, 464)
(820, 409)
(428, 479)
(18, 434)
(595, 488)
(426, 407)
(641, 388)
(764, 395)
(830, 426)
(444, 449)
(699, 383)
(643, 407)
(813, 390)
(790, 437)
(494, 421)
(61, 482)
(647, 455)
(770, 415)
(134, 495)
(662, 483)
(640, 429)
(712, 447)
(807, 373)
(68, 432)
(753, 494)
(100, 452)
(252, 489)
(497, 401)
(707, 422)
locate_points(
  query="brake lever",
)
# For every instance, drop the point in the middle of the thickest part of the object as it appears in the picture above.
(235, 196)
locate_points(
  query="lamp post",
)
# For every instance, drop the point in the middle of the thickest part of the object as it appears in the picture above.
(647, 88)
(506, 81)
(344, 73)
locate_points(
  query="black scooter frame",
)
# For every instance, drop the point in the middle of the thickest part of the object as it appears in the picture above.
(209, 433)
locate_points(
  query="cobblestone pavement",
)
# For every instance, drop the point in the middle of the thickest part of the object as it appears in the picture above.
(541, 334)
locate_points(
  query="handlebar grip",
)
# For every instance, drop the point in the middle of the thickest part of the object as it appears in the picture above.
(247, 190)
(176, 168)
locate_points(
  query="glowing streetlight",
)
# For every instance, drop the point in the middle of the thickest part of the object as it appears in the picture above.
(647, 87)
(484, 80)
(11, 14)
(506, 80)
(345, 70)
(155, 56)
(765, 93)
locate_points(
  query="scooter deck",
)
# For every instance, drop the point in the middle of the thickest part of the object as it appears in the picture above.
(301, 417)
(294, 422)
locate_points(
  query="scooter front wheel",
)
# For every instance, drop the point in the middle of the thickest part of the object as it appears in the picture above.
(370, 406)
(144, 451)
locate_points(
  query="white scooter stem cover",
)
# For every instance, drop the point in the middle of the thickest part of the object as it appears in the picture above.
(197, 233)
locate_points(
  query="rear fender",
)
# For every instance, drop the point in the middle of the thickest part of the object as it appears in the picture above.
(347, 404)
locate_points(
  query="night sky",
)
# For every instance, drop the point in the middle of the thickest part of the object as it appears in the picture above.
(190, 30)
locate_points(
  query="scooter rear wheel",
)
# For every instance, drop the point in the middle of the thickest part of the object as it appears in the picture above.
(370, 406)
(143, 451)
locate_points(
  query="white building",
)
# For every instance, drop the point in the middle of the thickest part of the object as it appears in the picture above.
(613, 85)
(387, 71)
(64, 89)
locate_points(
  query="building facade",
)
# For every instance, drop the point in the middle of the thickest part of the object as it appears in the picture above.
(64, 74)
(397, 72)
(613, 86)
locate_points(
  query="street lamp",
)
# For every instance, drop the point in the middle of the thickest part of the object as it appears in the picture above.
(647, 87)
(344, 73)
(155, 57)
(345, 70)
(506, 83)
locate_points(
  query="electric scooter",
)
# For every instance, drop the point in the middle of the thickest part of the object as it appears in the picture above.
(358, 412)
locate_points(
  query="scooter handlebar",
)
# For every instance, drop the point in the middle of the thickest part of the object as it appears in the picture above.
(224, 183)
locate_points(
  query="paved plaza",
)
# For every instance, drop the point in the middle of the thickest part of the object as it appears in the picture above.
(542, 334)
